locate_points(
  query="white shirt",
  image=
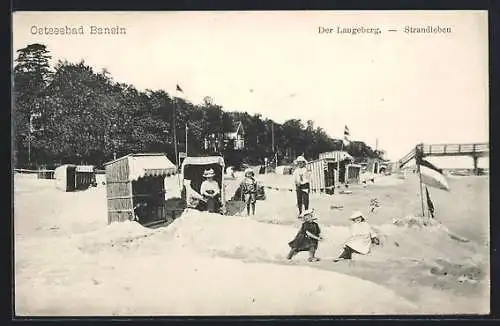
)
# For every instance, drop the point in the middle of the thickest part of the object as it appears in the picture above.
(301, 176)
(209, 185)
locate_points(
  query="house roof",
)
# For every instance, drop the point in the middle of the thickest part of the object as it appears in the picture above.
(237, 126)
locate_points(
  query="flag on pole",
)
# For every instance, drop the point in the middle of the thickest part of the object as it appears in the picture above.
(347, 136)
(178, 88)
(430, 205)
(430, 174)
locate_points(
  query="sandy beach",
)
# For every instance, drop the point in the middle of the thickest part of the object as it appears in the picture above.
(68, 261)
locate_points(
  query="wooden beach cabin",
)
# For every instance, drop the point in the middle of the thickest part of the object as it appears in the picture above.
(85, 176)
(71, 177)
(353, 173)
(323, 175)
(348, 172)
(135, 187)
(65, 176)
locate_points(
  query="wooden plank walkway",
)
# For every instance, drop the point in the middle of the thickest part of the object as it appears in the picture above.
(474, 150)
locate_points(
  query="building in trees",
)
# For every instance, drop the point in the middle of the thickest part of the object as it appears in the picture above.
(236, 137)
(233, 139)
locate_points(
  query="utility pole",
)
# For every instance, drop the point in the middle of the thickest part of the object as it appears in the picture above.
(31, 129)
(186, 139)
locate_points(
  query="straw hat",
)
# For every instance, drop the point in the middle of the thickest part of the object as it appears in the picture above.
(309, 212)
(209, 173)
(355, 215)
(301, 159)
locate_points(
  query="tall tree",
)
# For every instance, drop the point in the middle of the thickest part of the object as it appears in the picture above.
(32, 73)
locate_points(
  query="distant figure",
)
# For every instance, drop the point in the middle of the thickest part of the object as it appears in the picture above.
(361, 240)
(230, 172)
(210, 191)
(302, 184)
(307, 238)
(249, 190)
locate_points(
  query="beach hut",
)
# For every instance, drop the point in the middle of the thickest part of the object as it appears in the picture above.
(353, 173)
(71, 177)
(339, 160)
(85, 176)
(376, 166)
(65, 176)
(323, 175)
(45, 174)
(192, 175)
(135, 188)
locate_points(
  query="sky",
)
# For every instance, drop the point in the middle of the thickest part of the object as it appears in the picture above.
(397, 87)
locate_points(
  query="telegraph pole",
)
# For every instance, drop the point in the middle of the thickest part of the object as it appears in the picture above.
(186, 139)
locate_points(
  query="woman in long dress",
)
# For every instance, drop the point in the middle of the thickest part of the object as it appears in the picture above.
(210, 191)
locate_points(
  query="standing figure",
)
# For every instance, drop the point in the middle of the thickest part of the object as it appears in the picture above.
(361, 240)
(302, 184)
(249, 190)
(307, 238)
(210, 191)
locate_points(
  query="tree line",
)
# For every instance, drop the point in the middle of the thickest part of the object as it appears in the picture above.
(71, 113)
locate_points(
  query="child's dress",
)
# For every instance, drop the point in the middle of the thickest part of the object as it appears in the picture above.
(249, 190)
(302, 241)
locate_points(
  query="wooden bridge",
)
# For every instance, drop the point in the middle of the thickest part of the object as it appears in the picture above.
(475, 151)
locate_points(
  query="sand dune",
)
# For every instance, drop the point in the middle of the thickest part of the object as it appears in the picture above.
(68, 261)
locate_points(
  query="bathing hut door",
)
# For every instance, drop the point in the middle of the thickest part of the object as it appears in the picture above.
(70, 178)
(329, 176)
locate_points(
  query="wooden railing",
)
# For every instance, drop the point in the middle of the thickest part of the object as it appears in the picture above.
(447, 150)
(455, 149)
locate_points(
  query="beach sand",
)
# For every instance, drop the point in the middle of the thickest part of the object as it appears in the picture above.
(68, 261)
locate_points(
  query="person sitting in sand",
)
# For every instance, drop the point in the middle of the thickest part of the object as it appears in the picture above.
(361, 240)
(210, 191)
(249, 190)
(307, 238)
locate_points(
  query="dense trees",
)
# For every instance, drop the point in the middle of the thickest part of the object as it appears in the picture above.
(73, 114)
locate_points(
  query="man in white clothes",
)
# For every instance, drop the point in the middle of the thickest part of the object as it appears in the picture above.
(302, 184)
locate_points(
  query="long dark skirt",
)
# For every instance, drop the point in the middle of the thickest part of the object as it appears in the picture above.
(347, 253)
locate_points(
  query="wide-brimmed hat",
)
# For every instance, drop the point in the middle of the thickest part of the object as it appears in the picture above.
(248, 170)
(300, 159)
(209, 173)
(309, 212)
(355, 215)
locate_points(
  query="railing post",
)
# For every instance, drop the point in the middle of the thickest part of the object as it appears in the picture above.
(444, 149)
(459, 148)
(473, 148)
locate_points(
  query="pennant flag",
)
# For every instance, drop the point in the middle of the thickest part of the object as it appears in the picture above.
(347, 136)
(430, 205)
(178, 88)
(430, 174)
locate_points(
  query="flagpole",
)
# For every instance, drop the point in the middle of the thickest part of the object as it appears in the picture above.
(175, 144)
(338, 161)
